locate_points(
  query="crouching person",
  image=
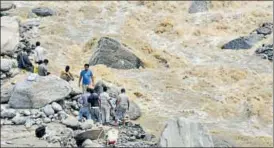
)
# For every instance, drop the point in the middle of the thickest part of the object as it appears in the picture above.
(84, 106)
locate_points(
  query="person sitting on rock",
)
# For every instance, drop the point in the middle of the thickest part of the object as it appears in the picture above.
(87, 77)
(24, 61)
(66, 75)
(84, 106)
(105, 106)
(43, 68)
(94, 106)
(122, 104)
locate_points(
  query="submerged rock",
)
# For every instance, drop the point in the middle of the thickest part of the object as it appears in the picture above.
(181, 132)
(113, 54)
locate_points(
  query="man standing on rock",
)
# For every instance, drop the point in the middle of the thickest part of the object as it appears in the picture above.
(87, 77)
(39, 53)
(105, 106)
(95, 106)
(122, 105)
(84, 110)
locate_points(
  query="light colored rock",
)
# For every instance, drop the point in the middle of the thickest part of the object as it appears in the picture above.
(7, 64)
(8, 113)
(6, 90)
(62, 115)
(134, 111)
(91, 143)
(46, 120)
(48, 110)
(75, 113)
(71, 122)
(18, 120)
(88, 124)
(38, 93)
(112, 135)
(56, 107)
(29, 123)
(25, 112)
(9, 35)
(181, 132)
(6, 5)
(13, 72)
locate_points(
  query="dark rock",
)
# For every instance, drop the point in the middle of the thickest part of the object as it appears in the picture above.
(112, 54)
(266, 51)
(134, 111)
(40, 131)
(199, 6)
(93, 134)
(243, 42)
(43, 11)
(113, 90)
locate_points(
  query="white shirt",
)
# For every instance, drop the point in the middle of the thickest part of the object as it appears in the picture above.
(39, 54)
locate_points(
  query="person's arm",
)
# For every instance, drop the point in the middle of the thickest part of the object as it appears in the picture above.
(45, 70)
(92, 78)
(80, 78)
(71, 76)
(109, 102)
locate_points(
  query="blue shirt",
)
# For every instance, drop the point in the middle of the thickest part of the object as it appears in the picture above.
(86, 76)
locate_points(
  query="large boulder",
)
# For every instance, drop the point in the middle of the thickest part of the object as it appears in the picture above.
(48, 110)
(43, 11)
(181, 132)
(71, 122)
(6, 5)
(92, 134)
(134, 111)
(243, 42)
(9, 35)
(199, 6)
(112, 54)
(40, 92)
(7, 64)
(113, 90)
(6, 90)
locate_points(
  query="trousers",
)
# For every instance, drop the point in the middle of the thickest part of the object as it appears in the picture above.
(105, 110)
(95, 114)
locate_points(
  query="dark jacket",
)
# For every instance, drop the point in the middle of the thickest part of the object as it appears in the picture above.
(23, 60)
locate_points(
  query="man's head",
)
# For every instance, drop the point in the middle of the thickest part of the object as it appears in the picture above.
(105, 89)
(37, 43)
(123, 90)
(86, 66)
(46, 61)
(67, 68)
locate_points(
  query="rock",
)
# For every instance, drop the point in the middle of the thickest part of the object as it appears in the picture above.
(222, 142)
(39, 121)
(265, 29)
(6, 5)
(9, 35)
(56, 107)
(181, 132)
(93, 134)
(71, 122)
(8, 113)
(76, 97)
(266, 51)
(90, 143)
(75, 90)
(3, 76)
(18, 120)
(6, 91)
(74, 105)
(7, 64)
(43, 11)
(112, 54)
(62, 115)
(46, 120)
(134, 111)
(132, 138)
(199, 6)
(243, 42)
(88, 124)
(26, 112)
(112, 136)
(38, 93)
(75, 113)
(29, 123)
(48, 110)
(113, 90)
(13, 72)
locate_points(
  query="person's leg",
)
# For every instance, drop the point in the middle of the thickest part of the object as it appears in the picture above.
(92, 114)
(103, 112)
(107, 114)
(84, 87)
(98, 115)
(88, 113)
(80, 116)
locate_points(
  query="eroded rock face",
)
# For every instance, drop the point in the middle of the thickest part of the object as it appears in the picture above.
(181, 132)
(38, 93)
(112, 54)
(9, 35)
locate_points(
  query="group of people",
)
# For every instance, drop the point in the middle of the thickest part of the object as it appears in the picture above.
(101, 107)
(39, 54)
(98, 107)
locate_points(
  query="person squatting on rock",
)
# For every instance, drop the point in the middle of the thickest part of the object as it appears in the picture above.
(122, 105)
(24, 61)
(84, 105)
(66, 75)
(105, 106)
(43, 68)
(87, 77)
(94, 106)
